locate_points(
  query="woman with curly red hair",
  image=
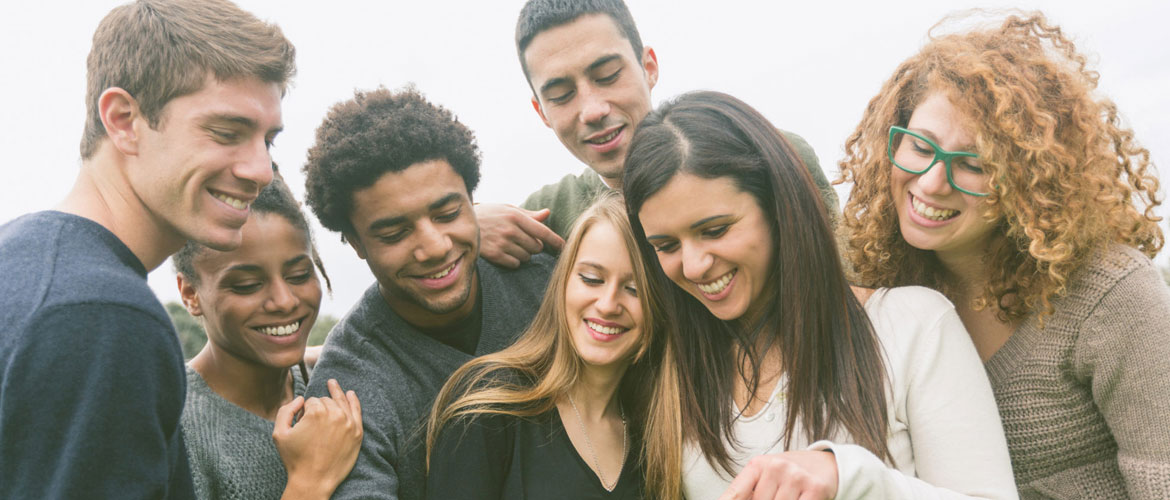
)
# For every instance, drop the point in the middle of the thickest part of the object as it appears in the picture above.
(988, 169)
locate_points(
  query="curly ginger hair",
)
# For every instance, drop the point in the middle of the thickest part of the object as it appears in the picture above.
(1067, 178)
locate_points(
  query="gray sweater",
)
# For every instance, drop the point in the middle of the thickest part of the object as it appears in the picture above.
(1085, 401)
(396, 371)
(231, 449)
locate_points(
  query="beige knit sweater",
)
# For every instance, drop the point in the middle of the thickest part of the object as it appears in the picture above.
(1085, 400)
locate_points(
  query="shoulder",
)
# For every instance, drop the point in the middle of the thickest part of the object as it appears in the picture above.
(1110, 266)
(580, 184)
(910, 319)
(532, 275)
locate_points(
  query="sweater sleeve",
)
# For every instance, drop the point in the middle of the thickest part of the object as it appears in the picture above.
(1123, 351)
(90, 407)
(375, 473)
(471, 459)
(959, 449)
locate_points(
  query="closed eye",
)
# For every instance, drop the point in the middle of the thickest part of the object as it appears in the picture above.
(611, 78)
(449, 216)
(716, 231)
(590, 280)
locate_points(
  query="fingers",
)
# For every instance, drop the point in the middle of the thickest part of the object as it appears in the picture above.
(741, 487)
(284, 416)
(355, 406)
(535, 228)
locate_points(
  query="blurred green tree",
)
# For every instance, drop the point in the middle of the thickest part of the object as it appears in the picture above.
(191, 334)
(321, 329)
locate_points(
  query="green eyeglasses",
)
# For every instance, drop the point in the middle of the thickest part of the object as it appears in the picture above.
(916, 154)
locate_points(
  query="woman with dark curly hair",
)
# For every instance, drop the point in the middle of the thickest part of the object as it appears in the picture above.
(987, 169)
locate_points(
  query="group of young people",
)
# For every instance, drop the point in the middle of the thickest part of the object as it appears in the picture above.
(690, 317)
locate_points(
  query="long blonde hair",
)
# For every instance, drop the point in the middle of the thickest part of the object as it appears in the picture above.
(526, 379)
(1067, 177)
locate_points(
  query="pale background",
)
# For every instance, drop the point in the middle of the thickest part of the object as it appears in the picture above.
(809, 66)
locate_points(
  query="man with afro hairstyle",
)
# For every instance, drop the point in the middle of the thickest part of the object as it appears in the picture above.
(394, 174)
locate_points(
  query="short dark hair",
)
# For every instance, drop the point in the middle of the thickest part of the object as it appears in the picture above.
(275, 199)
(538, 16)
(157, 50)
(375, 133)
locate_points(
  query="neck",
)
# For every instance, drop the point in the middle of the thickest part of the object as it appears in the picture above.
(595, 392)
(259, 389)
(102, 193)
(615, 184)
(965, 268)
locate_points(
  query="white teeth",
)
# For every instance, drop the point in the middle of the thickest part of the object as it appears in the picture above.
(931, 212)
(603, 140)
(281, 331)
(716, 286)
(608, 330)
(440, 274)
(237, 204)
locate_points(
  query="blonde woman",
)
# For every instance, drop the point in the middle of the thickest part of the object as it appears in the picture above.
(580, 406)
(988, 168)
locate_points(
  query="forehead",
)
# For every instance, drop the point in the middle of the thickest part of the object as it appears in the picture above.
(687, 199)
(603, 244)
(246, 98)
(269, 240)
(570, 48)
(406, 193)
(939, 116)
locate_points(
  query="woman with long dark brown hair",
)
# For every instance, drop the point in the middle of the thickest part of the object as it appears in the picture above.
(782, 365)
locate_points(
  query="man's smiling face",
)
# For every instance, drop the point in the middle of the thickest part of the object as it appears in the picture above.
(591, 89)
(416, 230)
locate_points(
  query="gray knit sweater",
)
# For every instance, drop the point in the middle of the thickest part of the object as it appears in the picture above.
(1085, 401)
(397, 371)
(231, 449)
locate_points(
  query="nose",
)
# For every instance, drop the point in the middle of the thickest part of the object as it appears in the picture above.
(695, 261)
(257, 164)
(934, 181)
(594, 106)
(609, 303)
(433, 244)
(282, 298)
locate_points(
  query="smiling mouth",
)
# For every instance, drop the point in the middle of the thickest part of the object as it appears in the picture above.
(607, 137)
(717, 286)
(606, 330)
(281, 331)
(235, 203)
(442, 273)
(936, 214)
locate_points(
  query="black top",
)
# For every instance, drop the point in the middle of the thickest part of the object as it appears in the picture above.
(91, 375)
(504, 457)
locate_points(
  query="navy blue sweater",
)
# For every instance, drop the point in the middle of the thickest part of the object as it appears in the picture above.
(91, 374)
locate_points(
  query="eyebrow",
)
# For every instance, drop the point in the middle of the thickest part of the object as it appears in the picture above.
(930, 135)
(601, 61)
(242, 121)
(696, 225)
(401, 219)
(599, 267)
(252, 268)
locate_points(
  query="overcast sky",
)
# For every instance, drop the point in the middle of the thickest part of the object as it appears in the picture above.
(809, 66)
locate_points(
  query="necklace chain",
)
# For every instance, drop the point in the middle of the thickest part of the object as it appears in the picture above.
(593, 454)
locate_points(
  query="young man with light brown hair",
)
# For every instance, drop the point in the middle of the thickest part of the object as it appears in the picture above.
(183, 102)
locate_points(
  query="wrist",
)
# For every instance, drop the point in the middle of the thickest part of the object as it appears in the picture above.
(302, 488)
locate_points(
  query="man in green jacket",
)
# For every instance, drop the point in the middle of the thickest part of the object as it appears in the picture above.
(591, 79)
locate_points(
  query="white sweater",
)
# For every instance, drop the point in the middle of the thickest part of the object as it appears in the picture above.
(945, 434)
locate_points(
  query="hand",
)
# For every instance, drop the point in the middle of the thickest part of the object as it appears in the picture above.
(321, 448)
(509, 235)
(792, 475)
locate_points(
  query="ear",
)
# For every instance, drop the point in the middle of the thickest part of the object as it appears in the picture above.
(356, 245)
(190, 298)
(119, 112)
(540, 111)
(650, 66)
